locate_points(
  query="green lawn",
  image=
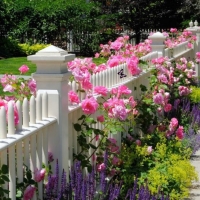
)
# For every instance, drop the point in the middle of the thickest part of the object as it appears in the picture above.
(11, 65)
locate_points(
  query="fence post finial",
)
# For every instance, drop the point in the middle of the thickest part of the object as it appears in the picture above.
(158, 43)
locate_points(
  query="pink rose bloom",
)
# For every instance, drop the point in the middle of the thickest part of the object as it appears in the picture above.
(173, 30)
(32, 86)
(149, 149)
(73, 97)
(29, 192)
(133, 67)
(179, 132)
(167, 107)
(189, 45)
(50, 157)
(39, 175)
(89, 105)
(101, 167)
(115, 160)
(123, 90)
(138, 142)
(173, 124)
(158, 98)
(100, 118)
(101, 90)
(8, 88)
(97, 55)
(112, 140)
(183, 91)
(198, 57)
(23, 69)
(130, 137)
(86, 84)
(118, 112)
(97, 137)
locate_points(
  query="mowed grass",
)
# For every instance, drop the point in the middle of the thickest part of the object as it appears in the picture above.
(11, 66)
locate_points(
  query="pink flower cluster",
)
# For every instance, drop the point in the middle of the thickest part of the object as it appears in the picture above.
(175, 128)
(174, 38)
(23, 88)
(29, 192)
(39, 174)
(117, 107)
(4, 103)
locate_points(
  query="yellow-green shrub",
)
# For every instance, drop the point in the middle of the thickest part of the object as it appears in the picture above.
(32, 49)
(195, 94)
(172, 173)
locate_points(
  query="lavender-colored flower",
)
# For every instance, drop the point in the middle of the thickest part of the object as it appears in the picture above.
(103, 181)
(84, 190)
(91, 185)
(56, 179)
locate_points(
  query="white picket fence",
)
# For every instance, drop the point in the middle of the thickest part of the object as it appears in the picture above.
(46, 122)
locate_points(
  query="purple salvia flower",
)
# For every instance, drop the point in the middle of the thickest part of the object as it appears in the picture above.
(176, 104)
(91, 185)
(79, 179)
(56, 179)
(103, 174)
(72, 178)
(61, 193)
(141, 193)
(84, 190)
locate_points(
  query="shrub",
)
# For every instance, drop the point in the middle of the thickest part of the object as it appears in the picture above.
(28, 49)
(10, 48)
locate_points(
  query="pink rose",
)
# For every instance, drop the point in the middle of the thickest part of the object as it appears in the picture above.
(29, 192)
(173, 124)
(167, 107)
(101, 90)
(73, 97)
(100, 118)
(115, 160)
(39, 175)
(179, 132)
(101, 167)
(138, 142)
(149, 149)
(23, 69)
(89, 105)
(50, 157)
(32, 86)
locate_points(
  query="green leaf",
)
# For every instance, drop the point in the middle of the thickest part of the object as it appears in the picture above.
(143, 88)
(77, 127)
(2, 181)
(5, 178)
(19, 194)
(89, 168)
(4, 169)
(82, 117)
(92, 146)
(90, 120)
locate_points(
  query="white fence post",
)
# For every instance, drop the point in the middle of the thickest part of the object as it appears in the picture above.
(158, 43)
(195, 31)
(52, 77)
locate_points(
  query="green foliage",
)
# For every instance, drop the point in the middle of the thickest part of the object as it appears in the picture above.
(195, 94)
(167, 168)
(32, 49)
(4, 180)
(10, 48)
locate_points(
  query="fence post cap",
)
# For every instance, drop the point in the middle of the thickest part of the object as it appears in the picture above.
(157, 35)
(51, 53)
